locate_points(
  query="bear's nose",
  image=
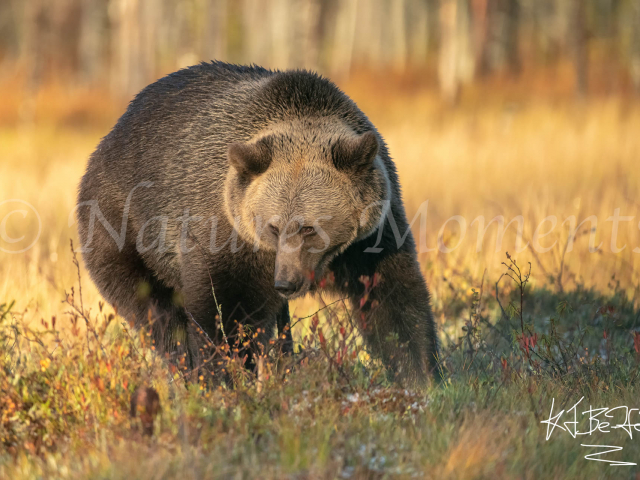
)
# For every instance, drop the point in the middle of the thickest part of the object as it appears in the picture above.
(285, 288)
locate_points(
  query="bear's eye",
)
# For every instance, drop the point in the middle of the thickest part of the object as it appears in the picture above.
(306, 231)
(274, 230)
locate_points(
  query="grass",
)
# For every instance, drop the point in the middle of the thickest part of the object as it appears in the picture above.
(329, 411)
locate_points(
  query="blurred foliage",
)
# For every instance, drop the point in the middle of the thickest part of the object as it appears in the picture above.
(127, 43)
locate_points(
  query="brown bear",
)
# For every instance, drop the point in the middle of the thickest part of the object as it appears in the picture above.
(241, 187)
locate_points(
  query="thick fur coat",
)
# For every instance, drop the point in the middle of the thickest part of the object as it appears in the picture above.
(260, 186)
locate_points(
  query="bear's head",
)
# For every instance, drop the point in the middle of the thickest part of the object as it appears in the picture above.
(307, 194)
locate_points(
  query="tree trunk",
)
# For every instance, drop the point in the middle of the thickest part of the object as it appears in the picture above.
(456, 63)
(33, 50)
(634, 53)
(280, 29)
(502, 42)
(91, 43)
(126, 68)
(310, 31)
(255, 32)
(512, 35)
(215, 30)
(579, 46)
(480, 14)
(419, 34)
(344, 38)
(399, 34)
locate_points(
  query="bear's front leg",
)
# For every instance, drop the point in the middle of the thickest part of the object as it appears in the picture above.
(392, 304)
(233, 313)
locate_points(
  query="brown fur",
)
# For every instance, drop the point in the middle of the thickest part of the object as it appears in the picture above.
(284, 168)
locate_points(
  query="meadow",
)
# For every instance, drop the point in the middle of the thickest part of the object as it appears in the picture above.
(511, 345)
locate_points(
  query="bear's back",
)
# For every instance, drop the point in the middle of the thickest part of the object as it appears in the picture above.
(176, 132)
(186, 120)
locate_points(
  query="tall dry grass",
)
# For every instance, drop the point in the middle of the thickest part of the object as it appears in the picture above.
(65, 409)
(492, 155)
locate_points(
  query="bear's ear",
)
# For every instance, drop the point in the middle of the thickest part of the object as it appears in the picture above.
(355, 153)
(250, 159)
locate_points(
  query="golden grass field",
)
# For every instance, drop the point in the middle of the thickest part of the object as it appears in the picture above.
(499, 152)
(535, 158)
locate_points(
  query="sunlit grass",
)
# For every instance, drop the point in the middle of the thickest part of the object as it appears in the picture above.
(483, 158)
